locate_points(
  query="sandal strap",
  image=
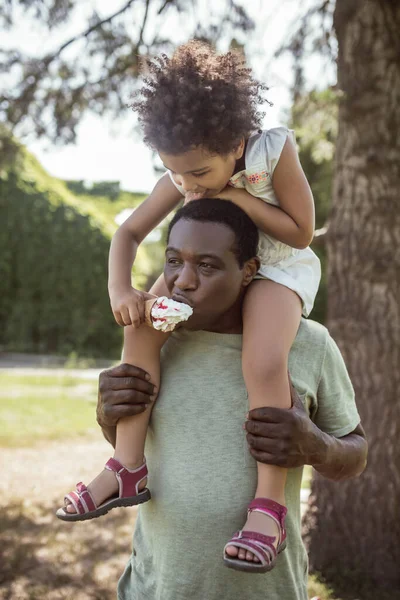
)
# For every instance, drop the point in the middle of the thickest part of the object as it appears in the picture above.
(277, 512)
(262, 546)
(74, 499)
(86, 497)
(128, 479)
(268, 505)
(81, 499)
(256, 537)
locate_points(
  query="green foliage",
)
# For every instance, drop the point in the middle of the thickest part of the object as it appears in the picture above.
(314, 118)
(150, 256)
(53, 267)
(111, 189)
(53, 260)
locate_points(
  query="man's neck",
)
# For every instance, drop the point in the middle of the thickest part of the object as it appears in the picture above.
(229, 322)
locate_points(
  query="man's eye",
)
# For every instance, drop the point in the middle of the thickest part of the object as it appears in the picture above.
(173, 261)
(206, 266)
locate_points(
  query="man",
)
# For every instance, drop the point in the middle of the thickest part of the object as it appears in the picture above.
(201, 473)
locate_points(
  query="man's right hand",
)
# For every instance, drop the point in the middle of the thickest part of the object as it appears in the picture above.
(124, 391)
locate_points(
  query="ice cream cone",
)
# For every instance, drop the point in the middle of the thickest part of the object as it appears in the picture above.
(148, 305)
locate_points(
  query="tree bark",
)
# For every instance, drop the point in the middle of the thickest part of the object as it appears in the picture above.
(353, 528)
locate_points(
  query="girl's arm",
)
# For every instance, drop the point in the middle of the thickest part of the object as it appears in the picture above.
(293, 221)
(162, 200)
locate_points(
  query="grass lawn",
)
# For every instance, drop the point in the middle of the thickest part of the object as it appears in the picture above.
(39, 408)
(40, 556)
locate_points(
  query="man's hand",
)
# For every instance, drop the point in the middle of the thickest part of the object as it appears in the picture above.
(124, 391)
(283, 437)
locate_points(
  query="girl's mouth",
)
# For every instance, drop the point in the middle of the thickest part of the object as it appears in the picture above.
(194, 196)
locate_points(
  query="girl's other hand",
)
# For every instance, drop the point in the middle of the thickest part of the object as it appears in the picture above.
(128, 306)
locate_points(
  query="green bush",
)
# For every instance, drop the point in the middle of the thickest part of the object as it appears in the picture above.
(53, 268)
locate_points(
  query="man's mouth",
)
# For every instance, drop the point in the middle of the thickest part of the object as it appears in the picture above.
(179, 298)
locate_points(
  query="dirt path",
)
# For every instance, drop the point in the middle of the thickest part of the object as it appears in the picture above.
(41, 557)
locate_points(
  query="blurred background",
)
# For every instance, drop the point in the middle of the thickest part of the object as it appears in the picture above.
(73, 167)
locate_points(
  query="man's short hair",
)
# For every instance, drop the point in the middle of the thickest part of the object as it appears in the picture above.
(225, 212)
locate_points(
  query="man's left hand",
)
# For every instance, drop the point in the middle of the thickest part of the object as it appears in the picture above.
(283, 437)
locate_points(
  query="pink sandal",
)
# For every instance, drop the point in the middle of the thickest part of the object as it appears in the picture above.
(262, 546)
(129, 494)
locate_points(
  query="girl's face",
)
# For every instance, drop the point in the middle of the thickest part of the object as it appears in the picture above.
(200, 172)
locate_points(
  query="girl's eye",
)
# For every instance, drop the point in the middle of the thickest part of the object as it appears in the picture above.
(200, 174)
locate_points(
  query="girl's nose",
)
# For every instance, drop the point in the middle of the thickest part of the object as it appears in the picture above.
(186, 183)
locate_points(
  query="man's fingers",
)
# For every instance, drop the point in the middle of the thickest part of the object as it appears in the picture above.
(269, 414)
(263, 429)
(128, 397)
(266, 458)
(132, 385)
(111, 415)
(126, 370)
(273, 447)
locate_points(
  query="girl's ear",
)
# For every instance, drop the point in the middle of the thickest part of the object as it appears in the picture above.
(239, 150)
(250, 269)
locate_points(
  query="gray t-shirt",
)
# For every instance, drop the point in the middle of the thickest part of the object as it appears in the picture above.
(202, 476)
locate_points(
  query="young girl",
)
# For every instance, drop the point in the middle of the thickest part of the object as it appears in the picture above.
(199, 111)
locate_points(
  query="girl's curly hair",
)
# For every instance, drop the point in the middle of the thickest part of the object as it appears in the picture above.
(198, 98)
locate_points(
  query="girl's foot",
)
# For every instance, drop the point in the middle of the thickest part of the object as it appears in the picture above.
(104, 486)
(255, 548)
(260, 523)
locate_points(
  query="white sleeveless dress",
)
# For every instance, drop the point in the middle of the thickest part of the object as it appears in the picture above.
(298, 270)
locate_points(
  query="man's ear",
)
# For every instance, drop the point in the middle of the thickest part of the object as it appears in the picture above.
(250, 269)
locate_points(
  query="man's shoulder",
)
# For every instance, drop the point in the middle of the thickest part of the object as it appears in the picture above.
(311, 332)
(308, 351)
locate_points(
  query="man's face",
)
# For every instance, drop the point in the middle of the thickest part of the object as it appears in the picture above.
(202, 271)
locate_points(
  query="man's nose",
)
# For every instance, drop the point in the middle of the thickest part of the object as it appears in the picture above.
(186, 278)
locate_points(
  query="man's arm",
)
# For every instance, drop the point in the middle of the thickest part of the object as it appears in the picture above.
(288, 438)
(124, 391)
(342, 458)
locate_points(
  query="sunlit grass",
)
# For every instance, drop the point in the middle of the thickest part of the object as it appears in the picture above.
(36, 409)
(19, 383)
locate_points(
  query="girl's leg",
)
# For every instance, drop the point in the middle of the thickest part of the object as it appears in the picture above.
(271, 317)
(142, 348)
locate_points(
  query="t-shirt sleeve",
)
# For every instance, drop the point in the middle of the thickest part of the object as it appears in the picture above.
(336, 412)
(275, 140)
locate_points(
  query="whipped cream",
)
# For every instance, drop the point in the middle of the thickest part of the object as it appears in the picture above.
(167, 313)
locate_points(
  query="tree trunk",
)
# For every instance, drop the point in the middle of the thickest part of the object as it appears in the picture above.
(353, 528)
